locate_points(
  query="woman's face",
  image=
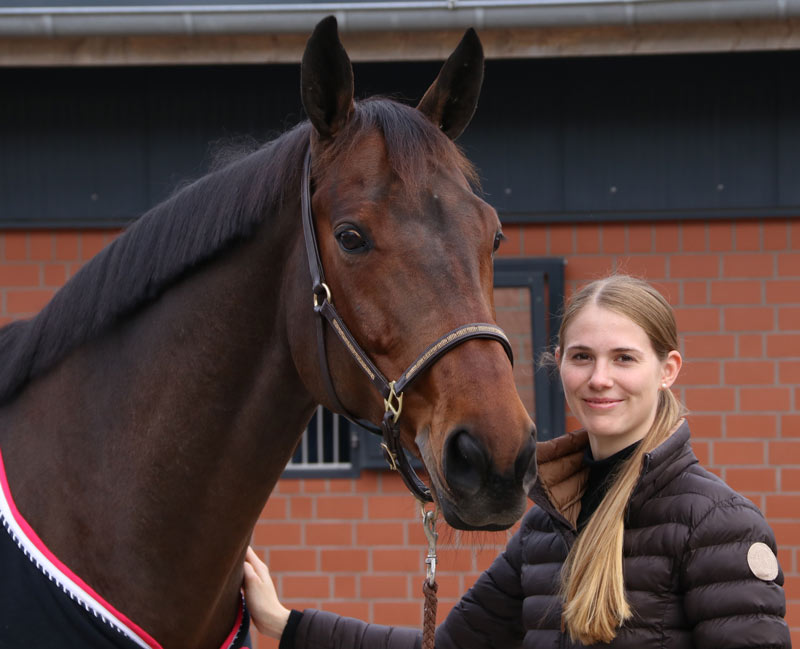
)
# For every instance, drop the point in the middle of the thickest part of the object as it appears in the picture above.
(612, 376)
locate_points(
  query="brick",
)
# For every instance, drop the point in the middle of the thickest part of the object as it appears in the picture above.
(40, 246)
(326, 534)
(764, 399)
(54, 275)
(789, 318)
(720, 237)
(301, 506)
(561, 240)
(784, 452)
(15, 246)
(705, 425)
(782, 506)
(697, 319)
(700, 373)
(587, 238)
(274, 534)
(288, 486)
(640, 237)
(344, 586)
(710, 399)
(734, 291)
(738, 453)
(776, 235)
(666, 237)
(693, 237)
(789, 264)
(695, 293)
(306, 586)
(384, 586)
(315, 486)
(790, 425)
(370, 482)
(790, 479)
(262, 641)
(93, 242)
(741, 425)
(590, 267)
(456, 560)
(277, 507)
(783, 345)
(614, 236)
(534, 240)
(343, 561)
(748, 235)
(748, 265)
(694, 266)
(750, 372)
(30, 301)
(398, 613)
(19, 276)
(750, 345)
(338, 507)
(374, 533)
(647, 266)
(400, 507)
(782, 291)
(395, 560)
(66, 246)
(749, 318)
(295, 560)
(751, 479)
(512, 245)
(787, 533)
(356, 609)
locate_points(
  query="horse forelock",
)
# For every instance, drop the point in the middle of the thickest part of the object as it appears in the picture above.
(197, 223)
(413, 143)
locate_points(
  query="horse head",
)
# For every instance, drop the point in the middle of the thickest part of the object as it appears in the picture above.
(407, 249)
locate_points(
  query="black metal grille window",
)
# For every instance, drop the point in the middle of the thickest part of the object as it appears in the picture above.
(335, 447)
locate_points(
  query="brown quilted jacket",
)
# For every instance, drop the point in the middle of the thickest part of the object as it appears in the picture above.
(687, 574)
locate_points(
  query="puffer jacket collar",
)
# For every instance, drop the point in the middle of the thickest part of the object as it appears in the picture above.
(562, 475)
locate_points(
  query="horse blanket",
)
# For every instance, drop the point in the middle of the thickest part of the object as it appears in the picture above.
(44, 605)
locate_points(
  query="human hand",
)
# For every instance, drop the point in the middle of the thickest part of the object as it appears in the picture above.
(268, 614)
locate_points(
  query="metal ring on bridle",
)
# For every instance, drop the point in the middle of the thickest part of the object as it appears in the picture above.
(324, 286)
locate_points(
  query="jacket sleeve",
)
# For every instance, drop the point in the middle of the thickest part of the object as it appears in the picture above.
(732, 583)
(489, 615)
(325, 630)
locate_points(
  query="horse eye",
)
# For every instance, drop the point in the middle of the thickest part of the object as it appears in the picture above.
(351, 240)
(498, 238)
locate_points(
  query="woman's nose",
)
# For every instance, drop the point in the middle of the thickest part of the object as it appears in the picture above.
(601, 377)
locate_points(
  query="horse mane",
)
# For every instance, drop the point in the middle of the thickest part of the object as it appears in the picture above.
(195, 225)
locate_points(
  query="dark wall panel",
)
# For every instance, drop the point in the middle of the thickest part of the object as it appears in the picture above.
(700, 136)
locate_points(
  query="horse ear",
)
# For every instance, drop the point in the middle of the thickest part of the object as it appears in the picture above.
(451, 100)
(326, 79)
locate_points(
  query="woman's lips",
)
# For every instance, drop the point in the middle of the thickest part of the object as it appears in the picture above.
(602, 403)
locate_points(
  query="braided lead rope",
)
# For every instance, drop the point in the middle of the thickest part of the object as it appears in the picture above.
(429, 586)
(429, 614)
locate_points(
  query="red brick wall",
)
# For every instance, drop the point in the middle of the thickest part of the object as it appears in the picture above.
(356, 546)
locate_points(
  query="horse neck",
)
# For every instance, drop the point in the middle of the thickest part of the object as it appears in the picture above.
(172, 431)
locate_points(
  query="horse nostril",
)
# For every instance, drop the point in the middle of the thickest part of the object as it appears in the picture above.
(465, 463)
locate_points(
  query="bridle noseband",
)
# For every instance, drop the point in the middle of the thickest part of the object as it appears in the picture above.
(392, 391)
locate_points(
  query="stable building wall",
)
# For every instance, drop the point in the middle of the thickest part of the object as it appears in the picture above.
(356, 546)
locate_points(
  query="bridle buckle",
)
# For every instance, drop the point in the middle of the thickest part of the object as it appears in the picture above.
(394, 402)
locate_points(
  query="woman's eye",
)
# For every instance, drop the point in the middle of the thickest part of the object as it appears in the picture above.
(351, 240)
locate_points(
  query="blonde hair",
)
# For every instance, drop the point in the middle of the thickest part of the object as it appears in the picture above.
(592, 584)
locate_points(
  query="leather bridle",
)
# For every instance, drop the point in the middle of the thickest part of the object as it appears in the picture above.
(392, 391)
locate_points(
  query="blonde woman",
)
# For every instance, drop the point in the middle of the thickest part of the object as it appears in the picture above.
(631, 543)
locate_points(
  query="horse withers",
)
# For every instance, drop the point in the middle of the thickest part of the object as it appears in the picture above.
(148, 410)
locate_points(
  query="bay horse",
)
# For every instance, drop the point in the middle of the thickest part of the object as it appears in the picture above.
(148, 410)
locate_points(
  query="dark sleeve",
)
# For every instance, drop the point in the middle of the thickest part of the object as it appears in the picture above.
(324, 630)
(289, 632)
(732, 601)
(489, 615)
